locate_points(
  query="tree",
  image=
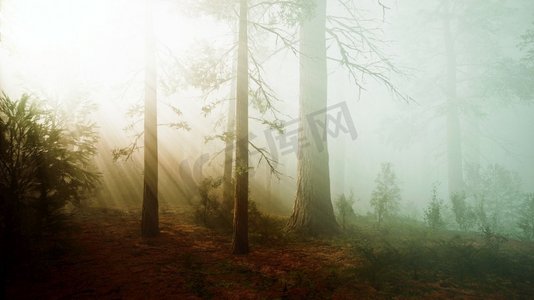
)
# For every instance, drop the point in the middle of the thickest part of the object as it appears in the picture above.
(357, 48)
(344, 209)
(46, 159)
(251, 86)
(46, 156)
(313, 212)
(497, 195)
(386, 195)
(150, 213)
(454, 144)
(527, 45)
(471, 42)
(526, 217)
(228, 187)
(434, 211)
(240, 237)
(464, 214)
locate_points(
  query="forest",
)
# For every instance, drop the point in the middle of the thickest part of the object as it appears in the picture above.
(267, 149)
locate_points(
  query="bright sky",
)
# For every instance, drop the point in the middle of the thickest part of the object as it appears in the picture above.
(55, 48)
(65, 50)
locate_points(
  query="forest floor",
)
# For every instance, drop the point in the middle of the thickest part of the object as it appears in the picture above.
(107, 259)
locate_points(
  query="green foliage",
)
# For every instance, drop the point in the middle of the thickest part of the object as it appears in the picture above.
(526, 217)
(264, 228)
(527, 45)
(464, 214)
(208, 68)
(380, 261)
(386, 195)
(434, 211)
(46, 163)
(512, 78)
(492, 241)
(289, 13)
(344, 209)
(391, 263)
(495, 194)
(208, 211)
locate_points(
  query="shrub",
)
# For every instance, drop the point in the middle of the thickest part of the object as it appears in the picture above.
(344, 209)
(379, 261)
(265, 227)
(496, 193)
(434, 211)
(208, 211)
(386, 195)
(463, 213)
(526, 218)
(46, 157)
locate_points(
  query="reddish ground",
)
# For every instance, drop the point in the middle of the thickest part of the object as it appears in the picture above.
(111, 261)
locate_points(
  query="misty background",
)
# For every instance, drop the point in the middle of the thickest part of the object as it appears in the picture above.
(93, 51)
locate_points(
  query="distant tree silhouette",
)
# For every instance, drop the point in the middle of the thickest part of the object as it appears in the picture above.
(386, 195)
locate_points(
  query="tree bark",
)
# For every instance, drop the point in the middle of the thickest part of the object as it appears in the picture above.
(454, 132)
(240, 237)
(150, 214)
(229, 157)
(313, 213)
(228, 188)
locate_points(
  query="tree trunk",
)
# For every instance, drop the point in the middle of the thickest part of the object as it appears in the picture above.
(150, 214)
(454, 138)
(228, 192)
(240, 238)
(229, 157)
(313, 213)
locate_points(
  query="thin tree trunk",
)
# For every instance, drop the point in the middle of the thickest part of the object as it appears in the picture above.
(268, 185)
(150, 214)
(229, 157)
(313, 212)
(240, 238)
(228, 188)
(454, 139)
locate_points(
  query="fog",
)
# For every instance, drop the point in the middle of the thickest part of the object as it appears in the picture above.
(258, 149)
(94, 50)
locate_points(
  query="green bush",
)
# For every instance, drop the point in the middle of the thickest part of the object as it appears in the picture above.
(464, 214)
(494, 192)
(208, 212)
(46, 157)
(344, 209)
(526, 218)
(380, 261)
(434, 211)
(386, 195)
